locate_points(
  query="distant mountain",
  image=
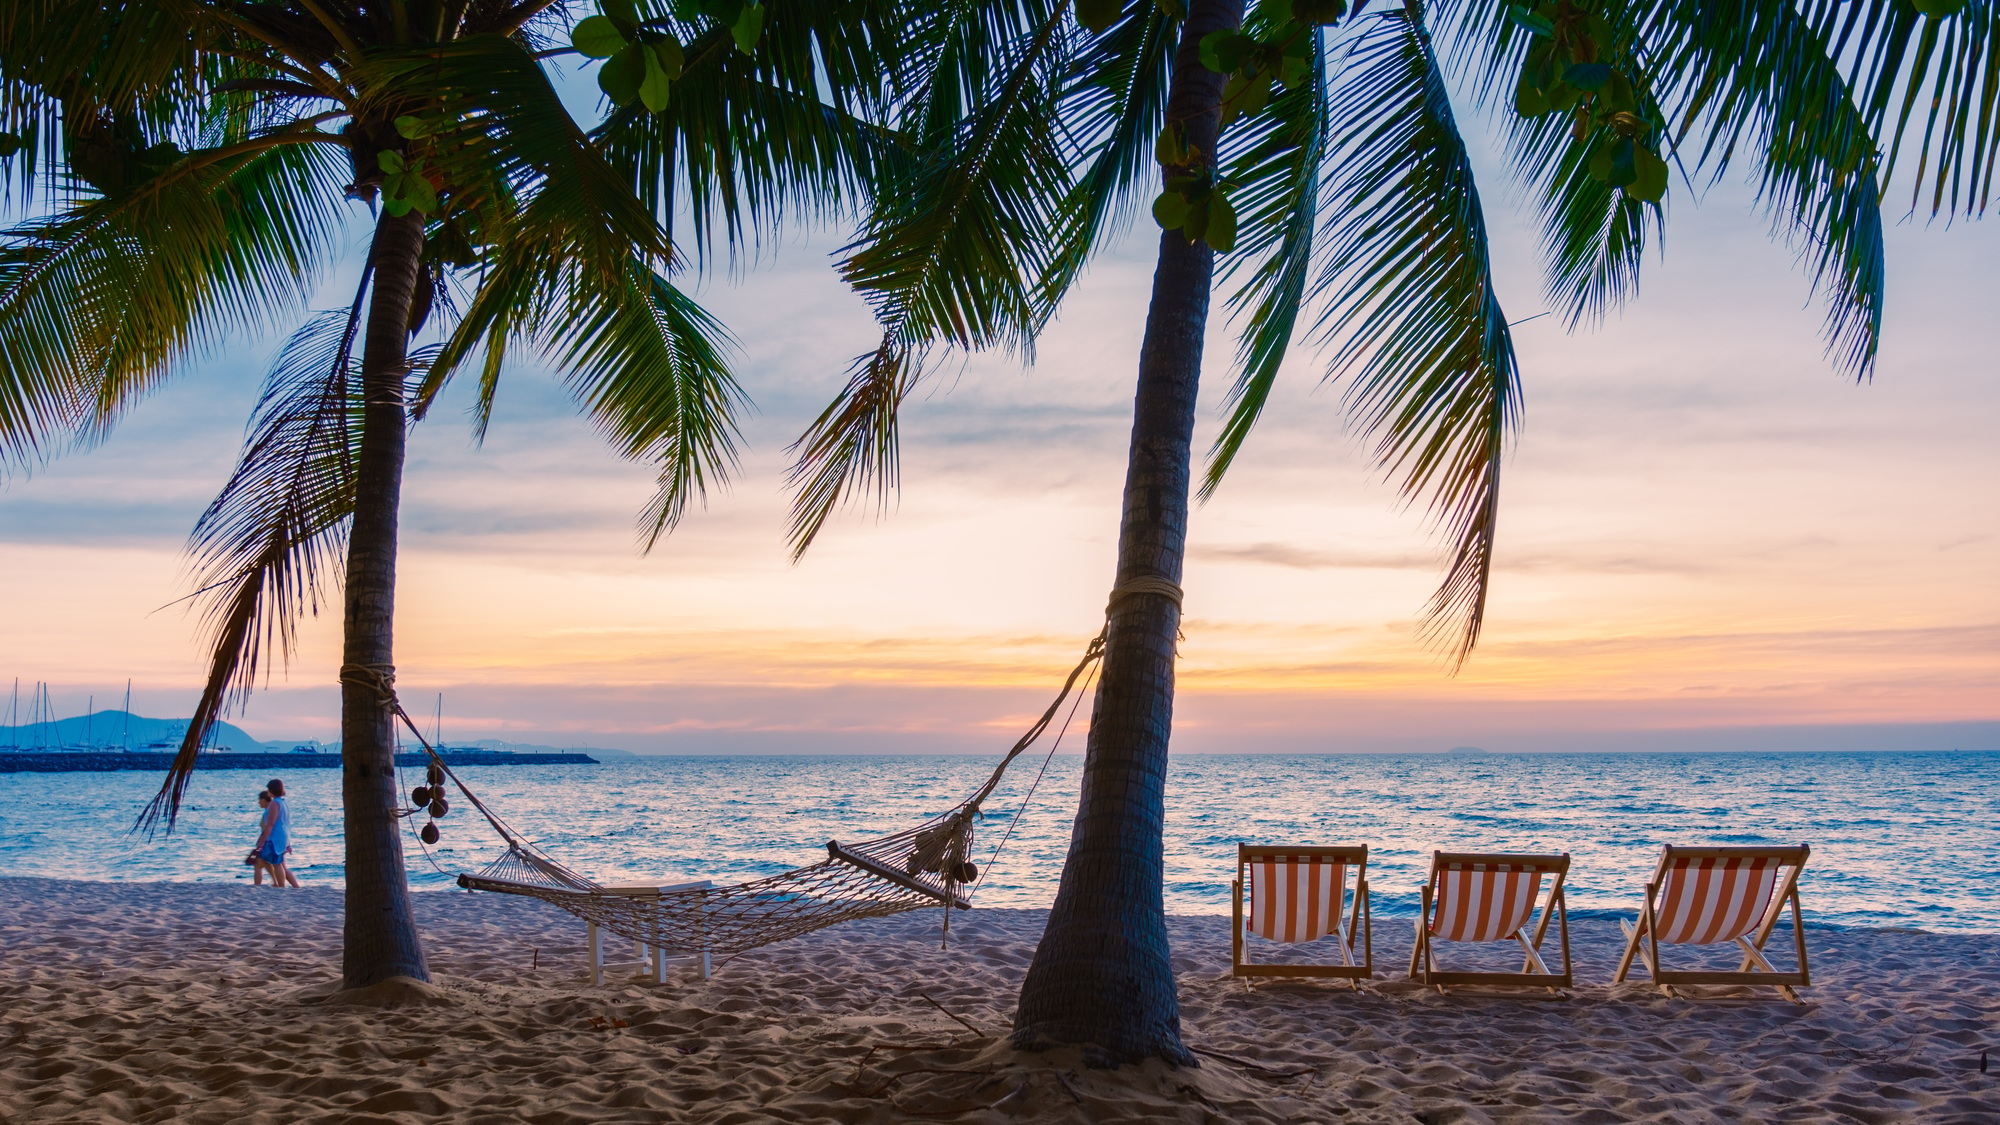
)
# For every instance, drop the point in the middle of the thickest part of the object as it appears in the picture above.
(116, 730)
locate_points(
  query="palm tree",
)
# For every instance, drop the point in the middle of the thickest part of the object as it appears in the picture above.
(1340, 194)
(194, 160)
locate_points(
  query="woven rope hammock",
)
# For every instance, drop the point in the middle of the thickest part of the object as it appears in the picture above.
(926, 866)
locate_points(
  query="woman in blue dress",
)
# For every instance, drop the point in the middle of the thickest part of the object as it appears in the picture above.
(275, 838)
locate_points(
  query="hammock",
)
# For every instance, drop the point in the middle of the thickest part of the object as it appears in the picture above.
(926, 866)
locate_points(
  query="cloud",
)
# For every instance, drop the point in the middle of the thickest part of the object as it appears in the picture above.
(1300, 558)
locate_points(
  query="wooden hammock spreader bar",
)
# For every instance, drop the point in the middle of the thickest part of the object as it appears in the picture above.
(891, 875)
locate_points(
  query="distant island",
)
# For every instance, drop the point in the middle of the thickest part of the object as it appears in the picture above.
(117, 740)
(1467, 750)
(116, 732)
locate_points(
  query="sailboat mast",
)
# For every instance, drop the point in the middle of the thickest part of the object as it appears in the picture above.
(125, 737)
(14, 717)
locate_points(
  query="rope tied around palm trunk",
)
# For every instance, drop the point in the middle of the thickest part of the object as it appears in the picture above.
(378, 678)
(1145, 584)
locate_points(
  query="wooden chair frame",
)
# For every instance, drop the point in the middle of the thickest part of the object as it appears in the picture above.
(1534, 971)
(1643, 941)
(1358, 918)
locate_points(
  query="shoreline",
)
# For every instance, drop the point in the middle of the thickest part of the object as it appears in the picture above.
(1393, 910)
(143, 1002)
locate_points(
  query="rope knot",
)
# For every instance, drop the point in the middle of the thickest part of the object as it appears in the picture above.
(1146, 584)
(379, 678)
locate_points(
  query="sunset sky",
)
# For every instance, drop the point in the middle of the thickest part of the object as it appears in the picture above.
(1709, 539)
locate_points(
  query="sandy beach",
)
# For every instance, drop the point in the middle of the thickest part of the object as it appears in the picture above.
(182, 1002)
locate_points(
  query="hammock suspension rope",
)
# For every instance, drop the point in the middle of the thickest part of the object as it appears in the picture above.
(926, 866)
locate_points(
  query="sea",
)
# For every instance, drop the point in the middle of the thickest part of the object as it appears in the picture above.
(1899, 840)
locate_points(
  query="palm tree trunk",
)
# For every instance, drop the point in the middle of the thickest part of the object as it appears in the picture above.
(381, 933)
(1101, 976)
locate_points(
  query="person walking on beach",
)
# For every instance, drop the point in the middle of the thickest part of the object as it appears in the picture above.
(255, 859)
(275, 838)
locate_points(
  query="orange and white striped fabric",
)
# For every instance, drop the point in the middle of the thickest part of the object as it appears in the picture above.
(1484, 901)
(1295, 898)
(1710, 899)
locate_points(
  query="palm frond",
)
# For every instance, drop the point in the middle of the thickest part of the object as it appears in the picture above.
(952, 52)
(1928, 85)
(63, 63)
(790, 131)
(268, 549)
(507, 303)
(1278, 200)
(1756, 80)
(100, 299)
(1593, 235)
(1926, 88)
(1762, 79)
(516, 127)
(954, 245)
(646, 362)
(851, 447)
(1114, 105)
(1410, 307)
(650, 367)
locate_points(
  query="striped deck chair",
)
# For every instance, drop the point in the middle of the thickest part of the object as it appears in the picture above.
(1706, 896)
(1299, 895)
(1473, 897)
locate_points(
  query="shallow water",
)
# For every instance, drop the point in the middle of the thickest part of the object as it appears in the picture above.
(1898, 839)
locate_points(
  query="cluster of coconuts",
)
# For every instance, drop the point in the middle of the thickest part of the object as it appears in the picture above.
(964, 871)
(430, 797)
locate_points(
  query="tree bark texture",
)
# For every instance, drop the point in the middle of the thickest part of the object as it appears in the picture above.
(1101, 976)
(380, 940)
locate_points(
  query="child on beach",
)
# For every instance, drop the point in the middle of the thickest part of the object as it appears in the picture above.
(275, 838)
